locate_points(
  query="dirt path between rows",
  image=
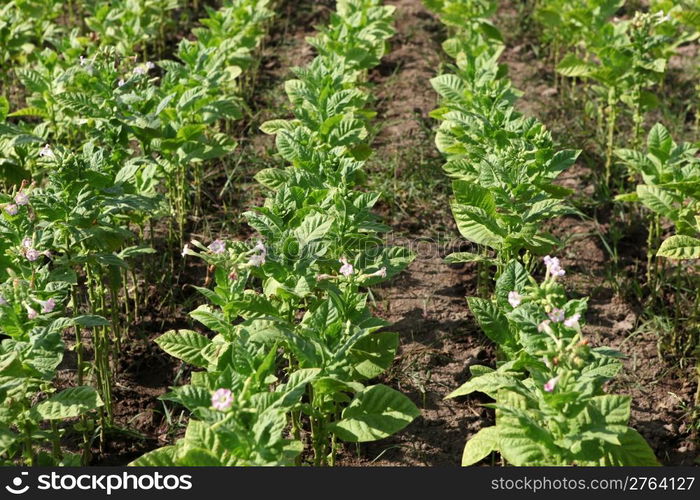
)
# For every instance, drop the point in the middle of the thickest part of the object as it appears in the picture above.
(426, 304)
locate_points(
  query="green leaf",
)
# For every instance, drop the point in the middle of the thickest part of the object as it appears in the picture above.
(374, 354)
(90, 321)
(572, 66)
(480, 446)
(162, 457)
(313, 228)
(657, 200)
(513, 279)
(491, 320)
(476, 225)
(680, 247)
(460, 257)
(68, 403)
(633, 451)
(488, 383)
(213, 320)
(272, 178)
(469, 193)
(375, 413)
(186, 345)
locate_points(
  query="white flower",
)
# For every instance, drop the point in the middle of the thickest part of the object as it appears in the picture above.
(259, 247)
(544, 326)
(380, 273)
(12, 209)
(514, 298)
(121, 82)
(572, 322)
(185, 250)
(46, 151)
(82, 61)
(346, 269)
(257, 260)
(27, 242)
(217, 247)
(139, 70)
(21, 198)
(150, 65)
(553, 266)
(557, 315)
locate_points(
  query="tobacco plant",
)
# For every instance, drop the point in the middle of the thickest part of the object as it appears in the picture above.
(548, 385)
(550, 405)
(35, 287)
(503, 163)
(626, 60)
(293, 304)
(670, 192)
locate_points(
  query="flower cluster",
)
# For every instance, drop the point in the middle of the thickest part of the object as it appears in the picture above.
(554, 268)
(259, 255)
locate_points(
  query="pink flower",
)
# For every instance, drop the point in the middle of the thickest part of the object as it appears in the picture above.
(217, 247)
(12, 209)
(27, 242)
(32, 254)
(222, 399)
(572, 322)
(21, 198)
(346, 269)
(557, 315)
(553, 266)
(31, 313)
(544, 326)
(47, 306)
(3, 302)
(551, 384)
(514, 298)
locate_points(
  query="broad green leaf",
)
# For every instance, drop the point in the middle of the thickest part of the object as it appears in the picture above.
(162, 457)
(657, 200)
(214, 320)
(480, 446)
(68, 403)
(633, 451)
(680, 247)
(572, 66)
(186, 345)
(488, 383)
(374, 354)
(375, 413)
(491, 320)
